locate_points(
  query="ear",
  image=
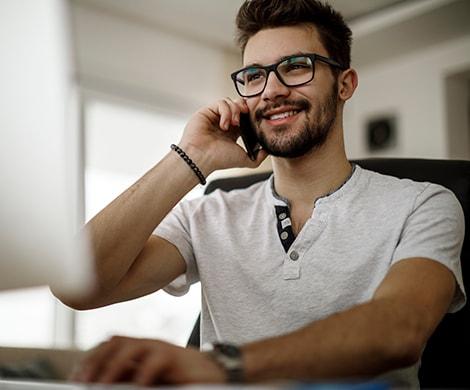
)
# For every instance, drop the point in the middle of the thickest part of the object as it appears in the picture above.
(347, 84)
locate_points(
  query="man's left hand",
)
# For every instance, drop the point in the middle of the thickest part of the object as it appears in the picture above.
(146, 362)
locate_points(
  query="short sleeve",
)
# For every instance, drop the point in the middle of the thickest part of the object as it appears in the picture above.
(175, 228)
(435, 229)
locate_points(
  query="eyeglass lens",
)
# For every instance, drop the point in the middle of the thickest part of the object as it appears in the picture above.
(292, 71)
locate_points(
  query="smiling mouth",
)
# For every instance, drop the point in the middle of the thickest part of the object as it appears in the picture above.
(282, 115)
(282, 112)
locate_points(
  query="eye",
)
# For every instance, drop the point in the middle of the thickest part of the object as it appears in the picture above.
(296, 64)
(252, 75)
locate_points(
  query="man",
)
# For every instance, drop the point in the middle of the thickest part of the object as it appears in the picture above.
(325, 271)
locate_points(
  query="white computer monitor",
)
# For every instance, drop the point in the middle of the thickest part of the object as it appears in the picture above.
(40, 195)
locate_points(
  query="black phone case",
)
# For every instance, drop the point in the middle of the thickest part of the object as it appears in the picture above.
(250, 140)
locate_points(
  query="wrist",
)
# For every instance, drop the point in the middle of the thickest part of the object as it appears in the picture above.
(229, 358)
(203, 159)
(190, 163)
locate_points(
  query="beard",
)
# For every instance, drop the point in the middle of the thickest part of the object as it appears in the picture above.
(314, 131)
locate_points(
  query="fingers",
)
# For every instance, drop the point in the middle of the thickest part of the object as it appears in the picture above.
(229, 111)
(123, 358)
(151, 370)
(215, 129)
(110, 360)
(91, 365)
(123, 363)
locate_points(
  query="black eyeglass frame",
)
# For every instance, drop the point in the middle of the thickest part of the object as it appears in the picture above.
(273, 68)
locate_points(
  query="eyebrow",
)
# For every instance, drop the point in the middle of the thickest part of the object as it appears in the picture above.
(255, 64)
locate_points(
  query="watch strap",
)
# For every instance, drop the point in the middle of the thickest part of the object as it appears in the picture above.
(229, 357)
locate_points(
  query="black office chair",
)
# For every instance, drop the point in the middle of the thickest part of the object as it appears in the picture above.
(446, 360)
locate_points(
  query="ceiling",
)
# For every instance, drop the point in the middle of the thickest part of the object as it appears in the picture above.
(211, 21)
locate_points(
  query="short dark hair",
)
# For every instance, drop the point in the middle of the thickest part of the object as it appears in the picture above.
(335, 35)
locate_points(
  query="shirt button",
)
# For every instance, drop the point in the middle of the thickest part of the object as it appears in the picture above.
(284, 235)
(282, 216)
(294, 256)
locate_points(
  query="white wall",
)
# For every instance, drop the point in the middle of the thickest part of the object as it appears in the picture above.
(403, 57)
(404, 63)
(412, 88)
(122, 57)
(458, 114)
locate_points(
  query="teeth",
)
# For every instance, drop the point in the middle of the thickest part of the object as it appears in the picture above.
(282, 115)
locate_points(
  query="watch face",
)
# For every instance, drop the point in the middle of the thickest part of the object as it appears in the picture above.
(228, 350)
(230, 358)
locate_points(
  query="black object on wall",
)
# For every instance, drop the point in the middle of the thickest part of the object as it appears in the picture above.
(381, 133)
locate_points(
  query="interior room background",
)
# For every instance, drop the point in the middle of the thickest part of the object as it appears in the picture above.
(142, 68)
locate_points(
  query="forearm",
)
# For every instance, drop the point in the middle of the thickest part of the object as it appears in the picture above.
(364, 341)
(128, 261)
(120, 231)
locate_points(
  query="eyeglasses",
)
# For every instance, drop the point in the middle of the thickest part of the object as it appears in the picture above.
(292, 71)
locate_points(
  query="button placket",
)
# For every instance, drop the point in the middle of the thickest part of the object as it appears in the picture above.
(285, 223)
(294, 255)
(284, 226)
(291, 270)
(291, 267)
(309, 234)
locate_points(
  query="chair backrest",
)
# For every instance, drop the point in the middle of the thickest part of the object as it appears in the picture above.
(445, 361)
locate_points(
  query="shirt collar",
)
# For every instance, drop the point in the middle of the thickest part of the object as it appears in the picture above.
(278, 200)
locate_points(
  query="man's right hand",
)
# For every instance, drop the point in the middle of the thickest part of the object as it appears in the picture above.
(210, 137)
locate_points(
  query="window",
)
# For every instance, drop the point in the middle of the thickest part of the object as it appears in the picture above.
(122, 143)
(19, 310)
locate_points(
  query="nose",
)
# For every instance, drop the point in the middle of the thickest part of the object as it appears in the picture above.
(274, 88)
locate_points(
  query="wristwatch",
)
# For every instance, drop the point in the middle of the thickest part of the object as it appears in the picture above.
(229, 357)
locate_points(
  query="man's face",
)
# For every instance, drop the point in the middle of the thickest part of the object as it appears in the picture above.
(291, 121)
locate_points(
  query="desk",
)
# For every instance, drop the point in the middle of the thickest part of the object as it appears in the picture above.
(46, 385)
(33, 385)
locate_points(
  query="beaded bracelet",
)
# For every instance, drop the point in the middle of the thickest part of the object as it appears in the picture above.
(190, 162)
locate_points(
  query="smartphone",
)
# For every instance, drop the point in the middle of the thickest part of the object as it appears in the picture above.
(249, 138)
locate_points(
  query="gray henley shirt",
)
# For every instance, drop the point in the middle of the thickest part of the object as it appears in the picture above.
(254, 286)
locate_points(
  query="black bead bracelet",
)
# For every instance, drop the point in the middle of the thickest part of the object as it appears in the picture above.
(190, 162)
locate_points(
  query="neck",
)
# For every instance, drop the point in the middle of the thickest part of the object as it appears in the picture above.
(304, 179)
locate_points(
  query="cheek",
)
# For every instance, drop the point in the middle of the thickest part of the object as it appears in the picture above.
(252, 104)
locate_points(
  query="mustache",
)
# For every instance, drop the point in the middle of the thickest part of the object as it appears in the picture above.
(299, 104)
